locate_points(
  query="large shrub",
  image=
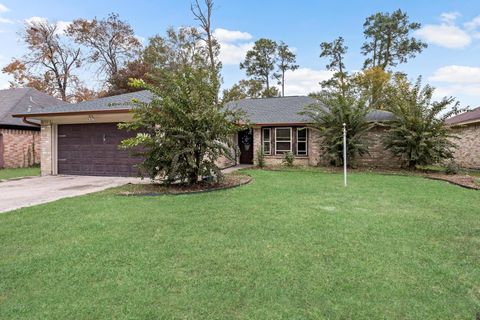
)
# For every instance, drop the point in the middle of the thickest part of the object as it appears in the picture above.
(418, 134)
(328, 117)
(183, 129)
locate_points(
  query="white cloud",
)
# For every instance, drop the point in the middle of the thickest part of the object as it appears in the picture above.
(457, 81)
(449, 17)
(233, 53)
(304, 80)
(233, 45)
(467, 94)
(472, 24)
(35, 19)
(476, 35)
(61, 25)
(445, 35)
(5, 20)
(3, 8)
(224, 35)
(450, 35)
(457, 74)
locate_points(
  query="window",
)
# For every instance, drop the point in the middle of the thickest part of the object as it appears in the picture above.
(302, 141)
(267, 140)
(283, 140)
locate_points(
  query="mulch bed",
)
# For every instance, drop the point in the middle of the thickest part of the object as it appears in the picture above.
(229, 181)
(457, 179)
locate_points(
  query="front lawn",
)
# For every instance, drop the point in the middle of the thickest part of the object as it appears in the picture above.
(6, 174)
(290, 245)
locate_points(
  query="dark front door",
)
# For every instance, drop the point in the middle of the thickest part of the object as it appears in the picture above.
(92, 149)
(245, 143)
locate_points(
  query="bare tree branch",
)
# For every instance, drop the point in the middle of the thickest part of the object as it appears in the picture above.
(50, 61)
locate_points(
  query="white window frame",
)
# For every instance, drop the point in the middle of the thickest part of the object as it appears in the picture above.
(290, 141)
(306, 142)
(269, 151)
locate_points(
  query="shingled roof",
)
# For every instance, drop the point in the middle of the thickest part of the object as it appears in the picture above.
(23, 100)
(466, 117)
(279, 110)
(274, 110)
(286, 110)
(113, 103)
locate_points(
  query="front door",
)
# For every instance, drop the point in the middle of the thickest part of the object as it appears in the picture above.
(245, 143)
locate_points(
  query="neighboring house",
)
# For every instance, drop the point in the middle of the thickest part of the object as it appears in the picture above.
(466, 127)
(83, 138)
(20, 140)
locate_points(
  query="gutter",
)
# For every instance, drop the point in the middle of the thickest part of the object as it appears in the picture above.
(24, 119)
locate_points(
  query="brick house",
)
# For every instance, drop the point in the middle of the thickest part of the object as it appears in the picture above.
(83, 138)
(278, 127)
(20, 140)
(466, 127)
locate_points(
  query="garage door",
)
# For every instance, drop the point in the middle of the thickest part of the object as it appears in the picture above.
(92, 149)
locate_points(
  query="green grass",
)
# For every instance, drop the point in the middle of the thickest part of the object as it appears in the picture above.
(290, 245)
(6, 174)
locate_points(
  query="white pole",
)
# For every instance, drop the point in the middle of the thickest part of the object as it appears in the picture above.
(344, 154)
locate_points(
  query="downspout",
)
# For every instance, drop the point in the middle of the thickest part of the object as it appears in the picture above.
(24, 119)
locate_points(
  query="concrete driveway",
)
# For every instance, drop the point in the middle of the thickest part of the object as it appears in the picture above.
(27, 192)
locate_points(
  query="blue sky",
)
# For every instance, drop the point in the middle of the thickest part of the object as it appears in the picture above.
(452, 29)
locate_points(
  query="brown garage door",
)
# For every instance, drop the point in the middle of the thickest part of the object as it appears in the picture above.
(92, 149)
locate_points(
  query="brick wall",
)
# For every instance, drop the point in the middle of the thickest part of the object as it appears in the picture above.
(21, 148)
(378, 158)
(46, 162)
(467, 154)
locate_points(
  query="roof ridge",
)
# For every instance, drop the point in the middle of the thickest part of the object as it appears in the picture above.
(17, 88)
(115, 102)
(109, 97)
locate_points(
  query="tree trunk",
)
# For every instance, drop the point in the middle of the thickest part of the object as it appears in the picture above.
(412, 165)
(283, 83)
(196, 172)
(387, 52)
(193, 178)
(64, 95)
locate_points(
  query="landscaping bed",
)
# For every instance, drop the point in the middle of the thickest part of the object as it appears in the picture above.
(465, 181)
(155, 189)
